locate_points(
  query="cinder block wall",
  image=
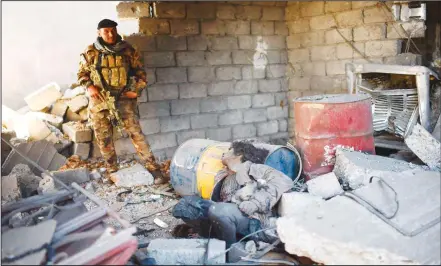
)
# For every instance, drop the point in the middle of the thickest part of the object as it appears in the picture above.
(216, 70)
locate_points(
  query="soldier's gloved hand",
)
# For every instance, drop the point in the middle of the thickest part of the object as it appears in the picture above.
(94, 92)
(131, 94)
(248, 207)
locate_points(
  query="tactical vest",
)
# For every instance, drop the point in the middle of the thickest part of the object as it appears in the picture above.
(113, 68)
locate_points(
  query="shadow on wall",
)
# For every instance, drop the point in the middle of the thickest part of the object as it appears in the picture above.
(42, 41)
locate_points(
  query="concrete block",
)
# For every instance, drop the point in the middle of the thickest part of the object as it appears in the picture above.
(273, 13)
(238, 27)
(77, 132)
(82, 150)
(239, 102)
(254, 115)
(313, 69)
(230, 118)
(169, 43)
(349, 18)
(133, 10)
(150, 126)
(54, 120)
(77, 103)
(356, 168)
(221, 88)
(276, 71)
(59, 108)
(382, 48)
(143, 97)
(201, 74)
(376, 14)
(124, 146)
(201, 10)
(153, 26)
(77, 175)
(219, 134)
(226, 12)
(163, 92)
(263, 100)
(243, 57)
(247, 42)
(141, 43)
(43, 97)
(162, 141)
(170, 124)
(246, 87)
(334, 36)
(362, 4)
(281, 98)
(336, 67)
(262, 28)
(169, 10)
(298, 26)
(204, 121)
(218, 58)
(416, 29)
(283, 125)
(213, 27)
(370, 32)
(159, 59)
(323, 53)
(35, 128)
(224, 43)
(186, 251)
(154, 109)
(322, 22)
(186, 135)
(405, 59)
(214, 104)
(250, 72)
(294, 203)
(337, 6)
(425, 146)
(321, 84)
(184, 27)
(309, 39)
(292, 11)
(276, 112)
(9, 187)
(344, 51)
(280, 28)
(244, 131)
(269, 85)
(293, 42)
(311, 9)
(197, 43)
(325, 186)
(194, 58)
(267, 128)
(248, 12)
(275, 42)
(192, 90)
(298, 56)
(185, 106)
(228, 73)
(132, 176)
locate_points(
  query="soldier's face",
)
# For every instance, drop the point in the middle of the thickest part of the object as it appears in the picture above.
(108, 35)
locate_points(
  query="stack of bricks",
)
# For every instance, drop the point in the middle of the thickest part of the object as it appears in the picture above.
(317, 52)
(216, 70)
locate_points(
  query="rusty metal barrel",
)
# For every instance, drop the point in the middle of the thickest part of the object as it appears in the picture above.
(325, 122)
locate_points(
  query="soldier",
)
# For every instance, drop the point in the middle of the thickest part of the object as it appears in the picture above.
(113, 65)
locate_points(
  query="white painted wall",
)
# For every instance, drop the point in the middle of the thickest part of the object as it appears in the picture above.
(42, 41)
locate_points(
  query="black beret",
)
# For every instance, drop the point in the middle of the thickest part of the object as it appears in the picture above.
(107, 23)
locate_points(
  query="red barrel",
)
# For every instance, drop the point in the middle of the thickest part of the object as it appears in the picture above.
(325, 122)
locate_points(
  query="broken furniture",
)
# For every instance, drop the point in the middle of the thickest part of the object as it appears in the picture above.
(394, 110)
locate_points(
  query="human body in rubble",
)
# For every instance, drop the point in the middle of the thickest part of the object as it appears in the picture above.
(248, 193)
(116, 63)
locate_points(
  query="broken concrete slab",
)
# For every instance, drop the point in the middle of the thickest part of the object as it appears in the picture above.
(325, 186)
(46, 185)
(293, 202)
(135, 175)
(27, 182)
(425, 146)
(77, 175)
(43, 97)
(53, 120)
(13, 242)
(35, 128)
(59, 108)
(82, 150)
(9, 188)
(355, 168)
(78, 132)
(71, 93)
(341, 231)
(436, 133)
(77, 103)
(41, 152)
(185, 251)
(95, 174)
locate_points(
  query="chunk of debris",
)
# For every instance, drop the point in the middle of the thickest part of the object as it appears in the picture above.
(35, 127)
(53, 120)
(95, 175)
(9, 117)
(43, 97)
(436, 133)
(325, 186)
(293, 202)
(10, 190)
(425, 146)
(77, 103)
(59, 108)
(135, 175)
(362, 237)
(27, 181)
(84, 114)
(89, 187)
(79, 175)
(186, 251)
(46, 185)
(71, 93)
(72, 116)
(251, 247)
(160, 223)
(77, 132)
(5, 149)
(356, 168)
(82, 150)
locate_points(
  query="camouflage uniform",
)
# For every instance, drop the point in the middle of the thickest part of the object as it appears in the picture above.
(116, 71)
